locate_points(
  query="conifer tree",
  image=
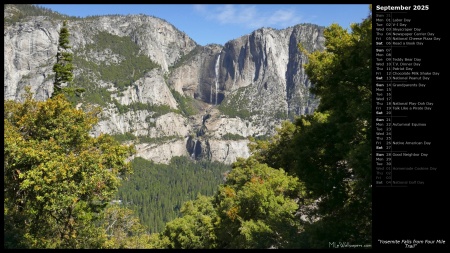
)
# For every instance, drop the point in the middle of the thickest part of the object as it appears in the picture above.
(63, 67)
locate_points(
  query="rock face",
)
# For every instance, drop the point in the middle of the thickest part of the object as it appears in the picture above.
(243, 88)
(31, 46)
(149, 89)
(30, 50)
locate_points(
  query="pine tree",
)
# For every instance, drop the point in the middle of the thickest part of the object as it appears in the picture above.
(63, 67)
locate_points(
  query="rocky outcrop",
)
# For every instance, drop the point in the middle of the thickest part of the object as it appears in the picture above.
(266, 61)
(162, 152)
(261, 73)
(197, 76)
(149, 89)
(29, 54)
(135, 122)
(227, 151)
(31, 45)
(241, 89)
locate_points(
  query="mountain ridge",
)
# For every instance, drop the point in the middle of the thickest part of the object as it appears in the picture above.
(163, 91)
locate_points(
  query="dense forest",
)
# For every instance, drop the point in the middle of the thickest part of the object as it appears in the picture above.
(156, 192)
(308, 185)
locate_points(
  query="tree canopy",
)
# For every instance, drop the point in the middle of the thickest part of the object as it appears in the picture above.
(255, 208)
(57, 178)
(330, 150)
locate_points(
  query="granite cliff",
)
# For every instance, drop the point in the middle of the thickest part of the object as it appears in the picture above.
(161, 90)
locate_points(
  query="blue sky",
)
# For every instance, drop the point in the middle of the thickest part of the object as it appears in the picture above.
(219, 23)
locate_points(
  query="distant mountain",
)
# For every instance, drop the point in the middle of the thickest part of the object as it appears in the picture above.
(161, 90)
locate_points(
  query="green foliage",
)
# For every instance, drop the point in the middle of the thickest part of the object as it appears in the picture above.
(122, 74)
(133, 66)
(234, 137)
(186, 104)
(158, 140)
(48, 77)
(136, 106)
(331, 150)
(277, 151)
(156, 191)
(183, 59)
(93, 94)
(123, 229)
(343, 80)
(57, 178)
(195, 229)
(121, 138)
(260, 138)
(124, 137)
(255, 208)
(63, 67)
(281, 115)
(97, 95)
(235, 104)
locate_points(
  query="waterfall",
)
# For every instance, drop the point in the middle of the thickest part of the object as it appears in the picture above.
(210, 95)
(193, 150)
(217, 75)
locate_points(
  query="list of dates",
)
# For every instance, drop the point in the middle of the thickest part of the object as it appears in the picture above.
(409, 118)
(404, 101)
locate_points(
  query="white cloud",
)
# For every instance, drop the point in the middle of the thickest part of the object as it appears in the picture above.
(248, 16)
(225, 14)
(200, 8)
(283, 17)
